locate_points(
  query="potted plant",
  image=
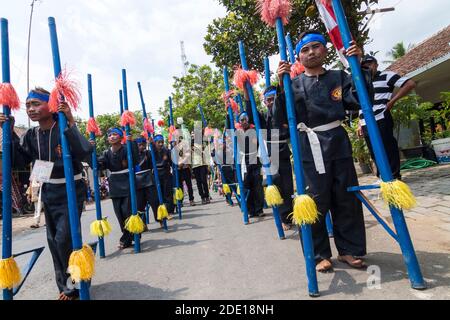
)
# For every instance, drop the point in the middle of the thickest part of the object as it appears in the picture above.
(360, 150)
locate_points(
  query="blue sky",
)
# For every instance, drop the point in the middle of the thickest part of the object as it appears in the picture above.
(103, 36)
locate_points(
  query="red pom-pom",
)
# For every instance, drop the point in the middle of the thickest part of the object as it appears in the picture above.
(124, 138)
(9, 97)
(127, 119)
(65, 90)
(237, 126)
(144, 134)
(297, 69)
(271, 10)
(242, 76)
(148, 126)
(161, 123)
(208, 132)
(234, 106)
(229, 101)
(92, 127)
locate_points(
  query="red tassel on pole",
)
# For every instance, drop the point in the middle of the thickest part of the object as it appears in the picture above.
(92, 127)
(297, 69)
(67, 88)
(148, 126)
(241, 76)
(127, 119)
(8, 96)
(271, 10)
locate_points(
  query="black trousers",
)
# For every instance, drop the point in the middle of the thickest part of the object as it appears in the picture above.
(283, 180)
(60, 242)
(386, 127)
(186, 176)
(148, 195)
(167, 191)
(253, 184)
(329, 191)
(201, 176)
(122, 209)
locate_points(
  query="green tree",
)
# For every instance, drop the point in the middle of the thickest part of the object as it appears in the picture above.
(243, 22)
(201, 85)
(398, 51)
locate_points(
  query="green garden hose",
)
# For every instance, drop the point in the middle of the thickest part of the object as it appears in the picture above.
(417, 163)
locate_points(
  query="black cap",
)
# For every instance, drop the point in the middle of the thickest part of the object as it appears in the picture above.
(368, 58)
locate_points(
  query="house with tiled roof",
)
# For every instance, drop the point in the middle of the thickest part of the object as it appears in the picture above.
(428, 64)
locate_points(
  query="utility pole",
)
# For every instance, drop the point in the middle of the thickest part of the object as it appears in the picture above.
(28, 52)
(184, 59)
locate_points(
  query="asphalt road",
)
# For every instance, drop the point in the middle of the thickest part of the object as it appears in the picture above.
(211, 254)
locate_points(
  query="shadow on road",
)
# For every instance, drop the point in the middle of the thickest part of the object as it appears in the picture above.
(152, 245)
(131, 290)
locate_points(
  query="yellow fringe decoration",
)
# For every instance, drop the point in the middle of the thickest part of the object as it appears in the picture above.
(305, 210)
(101, 228)
(273, 196)
(81, 264)
(134, 224)
(162, 212)
(397, 194)
(9, 274)
(238, 191)
(226, 189)
(179, 194)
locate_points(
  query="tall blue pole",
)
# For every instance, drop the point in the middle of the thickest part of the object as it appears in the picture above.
(308, 249)
(267, 71)
(152, 153)
(262, 146)
(75, 228)
(406, 245)
(239, 101)
(6, 159)
(200, 108)
(237, 161)
(98, 206)
(290, 47)
(137, 238)
(175, 160)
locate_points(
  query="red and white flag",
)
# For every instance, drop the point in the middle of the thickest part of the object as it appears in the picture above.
(329, 19)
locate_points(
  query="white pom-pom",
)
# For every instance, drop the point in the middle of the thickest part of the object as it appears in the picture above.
(180, 120)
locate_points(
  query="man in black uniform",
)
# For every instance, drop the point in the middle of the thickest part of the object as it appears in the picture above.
(164, 165)
(251, 166)
(115, 160)
(145, 185)
(43, 143)
(321, 100)
(274, 121)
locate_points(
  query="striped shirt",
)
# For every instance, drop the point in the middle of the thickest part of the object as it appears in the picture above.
(383, 84)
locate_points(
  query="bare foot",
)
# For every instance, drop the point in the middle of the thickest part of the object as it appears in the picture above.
(286, 227)
(324, 265)
(352, 261)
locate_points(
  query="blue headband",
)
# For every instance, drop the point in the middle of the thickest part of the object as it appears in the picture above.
(115, 130)
(158, 137)
(140, 140)
(243, 114)
(40, 96)
(310, 37)
(270, 93)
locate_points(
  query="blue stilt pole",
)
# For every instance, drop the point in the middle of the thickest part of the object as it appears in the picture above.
(308, 249)
(6, 159)
(200, 108)
(175, 160)
(237, 161)
(98, 206)
(290, 48)
(137, 238)
(267, 71)
(152, 153)
(262, 146)
(329, 224)
(75, 228)
(406, 245)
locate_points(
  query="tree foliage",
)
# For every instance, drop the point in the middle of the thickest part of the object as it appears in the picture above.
(243, 22)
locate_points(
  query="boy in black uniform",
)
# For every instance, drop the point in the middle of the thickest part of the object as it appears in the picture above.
(43, 143)
(164, 165)
(251, 166)
(115, 160)
(321, 100)
(274, 121)
(145, 185)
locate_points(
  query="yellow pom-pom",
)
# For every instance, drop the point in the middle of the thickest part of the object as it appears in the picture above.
(134, 224)
(100, 228)
(305, 210)
(179, 194)
(162, 212)
(9, 274)
(397, 194)
(81, 264)
(226, 188)
(273, 196)
(238, 191)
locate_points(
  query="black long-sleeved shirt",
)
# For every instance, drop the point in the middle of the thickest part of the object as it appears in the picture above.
(320, 100)
(49, 149)
(144, 177)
